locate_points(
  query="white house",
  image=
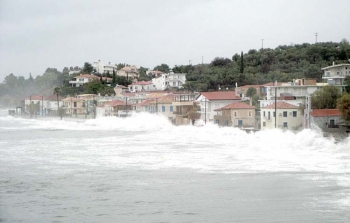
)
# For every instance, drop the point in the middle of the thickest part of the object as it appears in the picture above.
(336, 74)
(288, 116)
(46, 105)
(210, 101)
(141, 86)
(169, 80)
(102, 68)
(83, 79)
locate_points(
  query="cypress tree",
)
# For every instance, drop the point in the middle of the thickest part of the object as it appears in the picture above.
(241, 70)
(114, 79)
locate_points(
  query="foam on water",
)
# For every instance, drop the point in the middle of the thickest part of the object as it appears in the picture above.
(155, 143)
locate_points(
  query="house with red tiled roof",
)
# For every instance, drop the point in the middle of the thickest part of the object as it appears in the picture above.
(82, 79)
(289, 116)
(45, 105)
(209, 101)
(325, 119)
(236, 114)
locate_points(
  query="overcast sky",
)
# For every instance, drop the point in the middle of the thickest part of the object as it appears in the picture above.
(38, 34)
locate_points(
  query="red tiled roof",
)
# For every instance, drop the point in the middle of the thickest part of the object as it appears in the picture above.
(87, 76)
(142, 83)
(145, 103)
(114, 103)
(168, 99)
(220, 95)
(281, 105)
(325, 112)
(273, 84)
(236, 105)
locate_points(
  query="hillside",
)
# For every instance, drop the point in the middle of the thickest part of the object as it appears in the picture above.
(283, 64)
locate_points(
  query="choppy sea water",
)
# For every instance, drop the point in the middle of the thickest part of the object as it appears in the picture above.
(143, 169)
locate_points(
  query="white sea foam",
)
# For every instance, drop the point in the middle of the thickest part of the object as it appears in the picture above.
(155, 143)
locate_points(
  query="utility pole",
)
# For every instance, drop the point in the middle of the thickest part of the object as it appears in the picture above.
(42, 105)
(205, 111)
(275, 104)
(316, 34)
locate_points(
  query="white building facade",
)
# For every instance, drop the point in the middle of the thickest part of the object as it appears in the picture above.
(169, 80)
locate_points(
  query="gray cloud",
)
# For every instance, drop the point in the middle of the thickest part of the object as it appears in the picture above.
(39, 34)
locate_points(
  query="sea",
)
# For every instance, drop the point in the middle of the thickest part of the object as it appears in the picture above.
(144, 169)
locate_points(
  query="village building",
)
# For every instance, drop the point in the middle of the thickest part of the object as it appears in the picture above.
(236, 114)
(141, 86)
(336, 74)
(210, 101)
(129, 72)
(82, 79)
(325, 119)
(288, 116)
(169, 80)
(101, 68)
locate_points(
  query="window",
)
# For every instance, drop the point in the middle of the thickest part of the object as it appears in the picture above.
(274, 114)
(250, 113)
(284, 114)
(264, 114)
(285, 124)
(264, 124)
(163, 108)
(294, 113)
(240, 122)
(268, 115)
(75, 104)
(235, 114)
(217, 121)
(226, 123)
(171, 108)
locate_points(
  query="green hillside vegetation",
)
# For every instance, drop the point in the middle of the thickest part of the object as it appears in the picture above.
(283, 64)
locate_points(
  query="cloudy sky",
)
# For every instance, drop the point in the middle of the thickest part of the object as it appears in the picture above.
(38, 34)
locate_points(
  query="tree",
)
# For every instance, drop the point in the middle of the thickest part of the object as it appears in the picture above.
(251, 92)
(88, 68)
(114, 80)
(163, 67)
(241, 68)
(325, 97)
(220, 62)
(57, 92)
(193, 113)
(344, 106)
(347, 83)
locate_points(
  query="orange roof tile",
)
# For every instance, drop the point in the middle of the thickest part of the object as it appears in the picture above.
(220, 95)
(236, 105)
(325, 112)
(142, 83)
(281, 105)
(87, 76)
